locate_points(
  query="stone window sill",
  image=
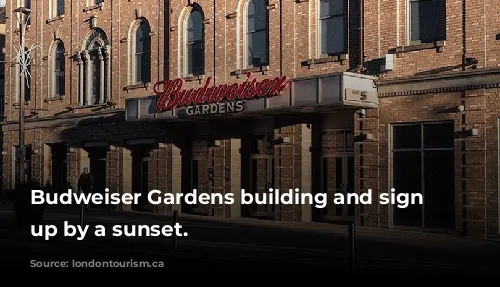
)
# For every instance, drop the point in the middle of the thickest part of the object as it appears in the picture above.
(56, 18)
(192, 78)
(55, 98)
(438, 45)
(263, 69)
(144, 85)
(341, 58)
(93, 7)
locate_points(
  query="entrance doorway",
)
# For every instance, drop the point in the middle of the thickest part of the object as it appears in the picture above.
(98, 170)
(199, 181)
(262, 179)
(59, 163)
(337, 177)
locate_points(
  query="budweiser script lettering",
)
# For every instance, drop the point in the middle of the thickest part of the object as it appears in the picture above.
(172, 95)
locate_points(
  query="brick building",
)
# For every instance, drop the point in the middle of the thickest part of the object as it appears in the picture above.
(417, 113)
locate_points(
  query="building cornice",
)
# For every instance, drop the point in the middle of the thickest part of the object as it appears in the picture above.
(442, 83)
(59, 121)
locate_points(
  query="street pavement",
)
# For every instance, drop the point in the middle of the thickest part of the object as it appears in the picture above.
(246, 244)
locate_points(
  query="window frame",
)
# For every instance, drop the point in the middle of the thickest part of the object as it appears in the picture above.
(409, 41)
(422, 149)
(139, 24)
(246, 34)
(319, 39)
(54, 77)
(186, 44)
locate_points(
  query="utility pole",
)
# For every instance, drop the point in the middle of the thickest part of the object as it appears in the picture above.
(22, 15)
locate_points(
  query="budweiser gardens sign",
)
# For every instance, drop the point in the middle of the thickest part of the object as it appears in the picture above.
(215, 99)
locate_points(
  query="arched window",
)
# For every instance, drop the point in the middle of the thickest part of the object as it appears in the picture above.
(94, 71)
(257, 35)
(194, 55)
(58, 83)
(143, 53)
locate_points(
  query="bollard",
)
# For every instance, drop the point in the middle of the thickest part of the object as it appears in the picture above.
(352, 239)
(174, 238)
(82, 212)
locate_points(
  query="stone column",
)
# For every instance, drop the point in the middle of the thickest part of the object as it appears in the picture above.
(81, 78)
(88, 83)
(107, 57)
(101, 75)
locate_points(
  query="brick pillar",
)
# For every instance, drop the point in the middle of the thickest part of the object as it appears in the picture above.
(36, 157)
(367, 171)
(77, 160)
(176, 175)
(159, 173)
(47, 163)
(113, 173)
(217, 161)
(471, 214)
(126, 175)
(306, 169)
(288, 165)
(234, 185)
(7, 164)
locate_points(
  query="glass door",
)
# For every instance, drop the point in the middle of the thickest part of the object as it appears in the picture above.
(262, 179)
(338, 177)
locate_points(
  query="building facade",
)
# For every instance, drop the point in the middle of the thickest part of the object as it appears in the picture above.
(320, 95)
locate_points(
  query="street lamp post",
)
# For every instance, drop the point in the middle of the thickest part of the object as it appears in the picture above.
(23, 15)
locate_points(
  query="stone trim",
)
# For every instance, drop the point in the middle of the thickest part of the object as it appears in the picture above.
(443, 83)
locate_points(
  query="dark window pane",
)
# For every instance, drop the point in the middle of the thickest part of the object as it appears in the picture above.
(257, 33)
(332, 35)
(407, 173)
(195, 55)
(60, 7)
(59, 68)
(331, 7)
(257, 15)
(426, 19)
(258, 48)
(195, 27)
(439, 135)
(439, 197)
(96, 77)
(406, 137)
(143, 53)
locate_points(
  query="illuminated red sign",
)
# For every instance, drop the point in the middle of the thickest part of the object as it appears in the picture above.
(172, 95)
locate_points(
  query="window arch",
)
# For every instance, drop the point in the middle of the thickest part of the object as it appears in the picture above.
(256, 34)
(194, 51)
(94, 71)
(140, 52)
(58, 71)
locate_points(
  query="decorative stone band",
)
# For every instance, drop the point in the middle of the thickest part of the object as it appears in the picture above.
(444, 83)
